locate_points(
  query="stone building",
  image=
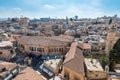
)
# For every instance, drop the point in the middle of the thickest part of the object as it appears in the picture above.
(73, 66)
(44, 45)
(111, 39)
(94, 70)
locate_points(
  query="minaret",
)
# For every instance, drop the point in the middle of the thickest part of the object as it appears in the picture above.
(111, 39)
(67, 22)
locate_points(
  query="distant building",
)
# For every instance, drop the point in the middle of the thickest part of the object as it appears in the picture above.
(76, 18)
(67, 21)
(45, 19)
(24, 21)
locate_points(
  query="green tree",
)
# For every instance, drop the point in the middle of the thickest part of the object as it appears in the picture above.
(115, 52)
(114, 56)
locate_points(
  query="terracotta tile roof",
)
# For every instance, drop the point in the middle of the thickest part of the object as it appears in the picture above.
(11, 39)
(5, 54)
(53, 40)
(28, 74)
(44, 41)
(64, 38)
(6, 68)
(74, 59)
(84, 45)
(7, 65)
(71, 53)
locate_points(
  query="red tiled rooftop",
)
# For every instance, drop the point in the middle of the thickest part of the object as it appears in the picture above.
(5, 54)
(74, 59)
(45, 41)
(8, 65)
(70, 55)
(84, 45)
(29, 74)
(12, 39)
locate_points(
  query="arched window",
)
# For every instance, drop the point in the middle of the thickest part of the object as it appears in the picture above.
(54, 49)
(57, 50)
(61, 49)
(49, 50)
(42, 49)
(66, 76)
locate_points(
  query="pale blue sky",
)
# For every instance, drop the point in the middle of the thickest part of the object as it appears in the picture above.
(59, 8)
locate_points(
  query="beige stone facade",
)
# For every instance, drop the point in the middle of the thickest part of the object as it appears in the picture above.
(42, 45)
(111, 39)
(72, 75)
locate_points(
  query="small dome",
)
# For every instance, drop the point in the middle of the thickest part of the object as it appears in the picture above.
(70, 32)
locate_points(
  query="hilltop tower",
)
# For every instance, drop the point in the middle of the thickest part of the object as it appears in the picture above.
(111, 39)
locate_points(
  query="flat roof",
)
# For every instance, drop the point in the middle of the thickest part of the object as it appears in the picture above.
(53, 63)
(93, 64)
(5, 43)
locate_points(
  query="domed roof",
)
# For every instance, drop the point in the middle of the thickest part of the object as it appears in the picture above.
(70, 32)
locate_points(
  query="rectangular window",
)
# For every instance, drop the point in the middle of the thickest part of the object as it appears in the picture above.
(42, 49)
(39, 49)
(32, 48)
(57, 50)
(49, 50)
(54, 49)
(61, 50)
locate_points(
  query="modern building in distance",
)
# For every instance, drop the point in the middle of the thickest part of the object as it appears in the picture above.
(45, 19)
(76, 18)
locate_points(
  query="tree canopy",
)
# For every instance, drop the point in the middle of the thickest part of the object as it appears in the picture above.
(115, 52)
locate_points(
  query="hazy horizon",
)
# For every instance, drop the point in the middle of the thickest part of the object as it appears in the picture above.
(59, 8)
